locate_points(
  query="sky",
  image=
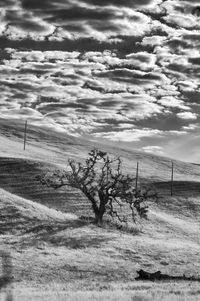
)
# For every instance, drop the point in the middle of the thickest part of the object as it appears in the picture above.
(123, 70)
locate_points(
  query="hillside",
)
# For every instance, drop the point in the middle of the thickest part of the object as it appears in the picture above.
(49, 147)
(19, 176)
(43, 144)
(52, 248)
(18, 214)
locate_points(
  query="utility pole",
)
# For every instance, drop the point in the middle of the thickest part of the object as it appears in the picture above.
(172, 178)
(25, 132)
(136, 178)
(107, 161)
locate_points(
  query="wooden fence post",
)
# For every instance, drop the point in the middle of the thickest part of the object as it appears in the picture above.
(172, 178)
(136, 178)
(25, 133)
(107, 161)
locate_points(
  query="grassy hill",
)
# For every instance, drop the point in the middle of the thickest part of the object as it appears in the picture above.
(19, 176)
(52, 248)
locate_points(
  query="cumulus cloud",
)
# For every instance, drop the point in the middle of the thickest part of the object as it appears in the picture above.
(64, 18)
(153, 40)
(120, 69)
(187, 115)
(172, 102)
(143, 60)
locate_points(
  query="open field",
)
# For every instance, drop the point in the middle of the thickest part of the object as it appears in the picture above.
(58, 256)
(130, 292)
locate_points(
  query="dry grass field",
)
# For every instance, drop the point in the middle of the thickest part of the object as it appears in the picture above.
(56, 255)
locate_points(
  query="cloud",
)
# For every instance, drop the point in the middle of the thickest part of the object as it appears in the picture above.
(143, 60)
(120, 69)
(154, 149)
(22, 113)
(21, 24)
(64, 19)
(121, 3)
(187, 115)
(153, 41)
(182, 20)
(191, 127)
(130, 135)
(172, 102)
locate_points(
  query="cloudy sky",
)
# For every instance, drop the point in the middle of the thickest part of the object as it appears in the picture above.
(123, 70)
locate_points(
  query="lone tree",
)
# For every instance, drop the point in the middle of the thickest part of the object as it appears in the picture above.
(105, 186)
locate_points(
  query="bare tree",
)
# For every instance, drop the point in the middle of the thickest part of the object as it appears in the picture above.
(102, 182)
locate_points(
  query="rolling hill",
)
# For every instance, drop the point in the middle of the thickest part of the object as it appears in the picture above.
(53, 248)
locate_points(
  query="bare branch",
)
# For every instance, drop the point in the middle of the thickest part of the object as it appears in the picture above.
(108, 190)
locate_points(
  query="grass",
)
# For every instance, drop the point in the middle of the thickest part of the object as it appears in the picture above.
(57, 255)
(140, 292)
(44, 145)
(52, 248)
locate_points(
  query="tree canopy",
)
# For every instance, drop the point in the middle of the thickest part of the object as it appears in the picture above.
(105, 186)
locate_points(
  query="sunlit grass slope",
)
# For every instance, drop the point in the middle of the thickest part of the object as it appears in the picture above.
(51, 247)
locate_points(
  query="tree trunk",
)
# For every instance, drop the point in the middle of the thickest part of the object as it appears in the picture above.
(98, 210)
(99, 217)
(93, 203)
(101, 211)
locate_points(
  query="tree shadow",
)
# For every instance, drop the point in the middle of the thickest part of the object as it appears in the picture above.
(56, 234)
